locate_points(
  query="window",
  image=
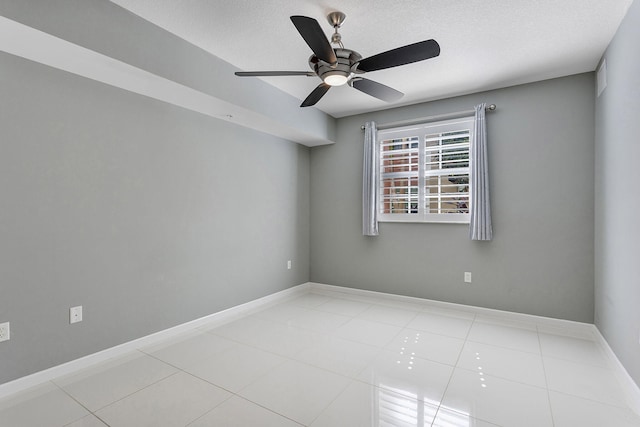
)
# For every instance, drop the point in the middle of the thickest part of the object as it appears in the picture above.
(424, 172)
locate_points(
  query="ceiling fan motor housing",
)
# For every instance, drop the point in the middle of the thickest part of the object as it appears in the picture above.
(347, 59)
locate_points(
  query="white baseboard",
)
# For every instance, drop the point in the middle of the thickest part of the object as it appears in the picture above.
(576, 328)
(220, 318)
(631, 389)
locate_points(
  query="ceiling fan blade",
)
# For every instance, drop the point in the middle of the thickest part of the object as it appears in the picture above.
(400, 56)
(377, 90)
(315, 96)
(311, 32)
(274, 73)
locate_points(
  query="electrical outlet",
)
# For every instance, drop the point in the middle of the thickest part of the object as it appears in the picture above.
(467, 277)
(75, 314)
(5, 332)
(289, 265)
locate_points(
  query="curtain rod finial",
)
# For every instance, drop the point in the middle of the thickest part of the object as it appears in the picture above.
(491, 107)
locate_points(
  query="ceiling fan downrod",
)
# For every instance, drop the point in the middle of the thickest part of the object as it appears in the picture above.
(336, 19)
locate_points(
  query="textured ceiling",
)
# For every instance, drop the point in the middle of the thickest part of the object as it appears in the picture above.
(486, 44)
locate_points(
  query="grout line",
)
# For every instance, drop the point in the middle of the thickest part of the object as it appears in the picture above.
(606, 366)
(123, 397)
(231, 394)
(75, 400)
(209, 411)
(261, 406)
(546, 379)
(599, 402)
(351, 381)
(453, 371)
(504, 347)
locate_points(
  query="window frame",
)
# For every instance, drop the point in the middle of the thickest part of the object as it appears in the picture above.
(421, 131)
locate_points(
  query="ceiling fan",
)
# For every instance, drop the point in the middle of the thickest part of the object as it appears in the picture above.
(340, 66)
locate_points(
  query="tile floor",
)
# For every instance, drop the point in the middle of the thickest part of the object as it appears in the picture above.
(323, 361)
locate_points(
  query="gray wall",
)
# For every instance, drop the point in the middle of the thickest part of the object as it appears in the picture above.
(617, 230)
(145, 214)
(541, 142)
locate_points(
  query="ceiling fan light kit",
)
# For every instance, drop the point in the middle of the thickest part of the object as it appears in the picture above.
(335, 78)
(339, 66)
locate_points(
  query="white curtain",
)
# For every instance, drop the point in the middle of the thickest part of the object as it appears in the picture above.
(370, 182)
(480, 224)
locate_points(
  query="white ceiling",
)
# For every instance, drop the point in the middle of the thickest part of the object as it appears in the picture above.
(486, 44)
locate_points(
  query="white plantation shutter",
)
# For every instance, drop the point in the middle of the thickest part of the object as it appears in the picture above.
(424, 172)
(447, 172)
(399, 173)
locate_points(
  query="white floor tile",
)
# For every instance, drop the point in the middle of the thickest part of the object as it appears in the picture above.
(88, 421)
(345, 360)
(367, 332)
(363, 405)
(238, 412)
(281, 312)
(587, 381)
(296, 390)
(505, 336)
(504, 363)
(443, 325)
(344, 307)
(402, 305)
(236, 367)
(45, 405)
(310, 300)
(451, 312)
(287, 341)
(174, 401)
(408, 375)
(246, 330)
(365, 299)
(504, 320)
(318, 321)
(426, 345)
(274, 337)
(344, 357)
(571, 411)
(581, 330)
(189, 350)
(449, 418)
(491, 399)
(102, 385)
(390, 315)
(573, 349)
